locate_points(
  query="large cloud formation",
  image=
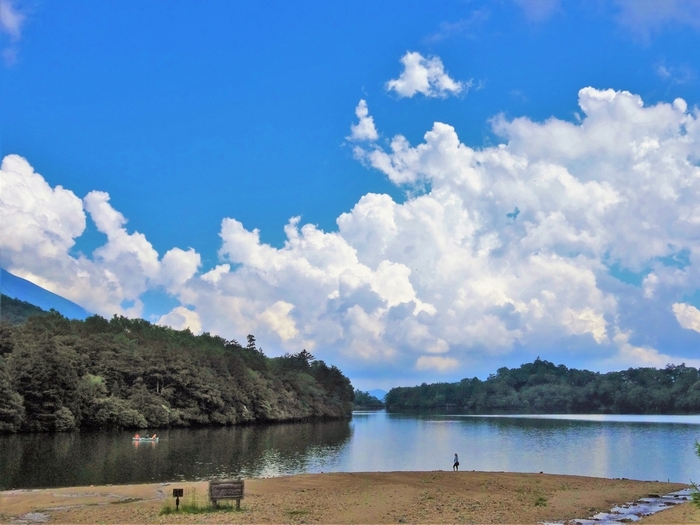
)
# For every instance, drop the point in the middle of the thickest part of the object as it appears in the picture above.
(39, 228)
(494, 250)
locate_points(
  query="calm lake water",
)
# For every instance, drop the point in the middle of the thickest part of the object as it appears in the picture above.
(635, 447)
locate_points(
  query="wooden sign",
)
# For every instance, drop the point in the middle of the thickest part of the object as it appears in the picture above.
(226, 490)
(177, 494)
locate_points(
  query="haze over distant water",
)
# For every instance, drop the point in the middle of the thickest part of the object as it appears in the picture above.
(21, 289)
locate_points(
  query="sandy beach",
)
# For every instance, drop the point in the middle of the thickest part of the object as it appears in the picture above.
(380, 497)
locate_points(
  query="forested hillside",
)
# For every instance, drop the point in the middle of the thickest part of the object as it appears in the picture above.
(15, 311)
(544, 388)
(60, 374)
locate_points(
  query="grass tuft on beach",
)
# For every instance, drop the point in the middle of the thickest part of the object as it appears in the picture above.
(194, 503)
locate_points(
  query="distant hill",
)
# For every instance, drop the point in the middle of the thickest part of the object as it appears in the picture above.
(14, 311)
(378, 393)
(18, 288)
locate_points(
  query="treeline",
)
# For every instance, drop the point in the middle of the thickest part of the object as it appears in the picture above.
(544, 388)
(58, 375)
(15, 311)
(365, 400)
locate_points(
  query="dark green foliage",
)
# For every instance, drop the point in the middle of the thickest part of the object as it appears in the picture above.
(113, 412)
(57, 374)
(45, 373)
(11, 406)
(15, 311)
(541, 387)
(364, 400)
(6, 343)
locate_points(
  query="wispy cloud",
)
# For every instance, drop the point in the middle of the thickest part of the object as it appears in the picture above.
(465, 27)
(675, 74)
(519, 95)
(11, 22)
(426, 76)
(644, 18)
(539, 10)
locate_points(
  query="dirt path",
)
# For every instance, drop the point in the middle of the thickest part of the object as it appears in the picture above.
(391, 497)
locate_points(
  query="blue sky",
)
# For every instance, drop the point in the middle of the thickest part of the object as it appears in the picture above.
(131, 130)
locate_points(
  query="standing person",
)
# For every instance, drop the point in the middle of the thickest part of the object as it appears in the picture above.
(455, 464)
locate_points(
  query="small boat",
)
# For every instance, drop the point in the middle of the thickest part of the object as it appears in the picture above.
(148, 440)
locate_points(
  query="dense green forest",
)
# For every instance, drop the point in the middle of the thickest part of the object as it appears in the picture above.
(544, 388)
(365, 400)
(58, 374)
(15, 311)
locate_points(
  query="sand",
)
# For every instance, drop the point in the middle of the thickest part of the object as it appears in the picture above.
(381, 497)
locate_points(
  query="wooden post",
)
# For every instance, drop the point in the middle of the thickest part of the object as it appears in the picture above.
(177, 494)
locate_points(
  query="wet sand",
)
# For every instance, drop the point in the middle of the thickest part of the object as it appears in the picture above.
(380, 497)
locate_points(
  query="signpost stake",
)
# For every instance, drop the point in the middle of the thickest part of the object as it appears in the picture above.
(177, 494)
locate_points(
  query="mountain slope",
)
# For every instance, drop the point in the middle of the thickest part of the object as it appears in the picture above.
(21, 289)
(15, 311)
(378, 393)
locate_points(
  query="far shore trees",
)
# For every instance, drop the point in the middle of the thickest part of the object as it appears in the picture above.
(542, 387)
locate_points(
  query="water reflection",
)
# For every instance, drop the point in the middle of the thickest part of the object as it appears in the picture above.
(635, 447)
(52, 460)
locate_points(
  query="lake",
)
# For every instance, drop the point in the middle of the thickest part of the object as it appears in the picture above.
(612, 446)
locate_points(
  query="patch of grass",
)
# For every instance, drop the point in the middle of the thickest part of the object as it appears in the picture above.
(196, 505)
(297, 512)
(541, 502)
(169, 508)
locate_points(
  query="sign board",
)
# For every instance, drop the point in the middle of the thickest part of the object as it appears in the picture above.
(177, 493)
(225, 490)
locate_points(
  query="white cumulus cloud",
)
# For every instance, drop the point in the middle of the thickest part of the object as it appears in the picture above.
(687, 315)
(441, 364)
(40, 225)
(364, 129)
(508, 249)
(181, 318)
(426, 76)
(37, 220)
